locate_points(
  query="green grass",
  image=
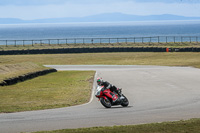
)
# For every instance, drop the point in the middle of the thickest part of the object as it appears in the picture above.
(18, 69)
(132, 58)
(53, 90)
(188, 126)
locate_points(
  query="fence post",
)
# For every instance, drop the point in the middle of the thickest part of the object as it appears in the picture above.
(66, 41)
(142, 40)
(174, 39)
(134, 39)
(150, 41)
(6, 43)
(126, 40)
(196, 40)
(15, 43)
(166, 39)
(83, 41)
(32, 42)
(158, 39)
(49, 42)
(23, 42)
(190, 40)
(109, 40)
(181, 39)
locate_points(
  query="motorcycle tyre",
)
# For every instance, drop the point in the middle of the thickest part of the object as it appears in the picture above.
(125, 101)
(105, 103)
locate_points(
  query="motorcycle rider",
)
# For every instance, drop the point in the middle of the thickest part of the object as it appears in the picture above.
(107, 85)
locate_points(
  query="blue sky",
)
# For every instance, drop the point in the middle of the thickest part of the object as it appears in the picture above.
(38, 9)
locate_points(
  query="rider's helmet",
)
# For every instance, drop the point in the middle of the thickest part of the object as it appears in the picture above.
(99, 80)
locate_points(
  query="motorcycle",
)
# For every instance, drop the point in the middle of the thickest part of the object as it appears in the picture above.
(109, 98)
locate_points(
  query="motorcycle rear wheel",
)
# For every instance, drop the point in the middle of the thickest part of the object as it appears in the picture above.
(105, 102)
(125, 101)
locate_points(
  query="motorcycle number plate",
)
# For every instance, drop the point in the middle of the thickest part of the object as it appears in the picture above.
(115, 98)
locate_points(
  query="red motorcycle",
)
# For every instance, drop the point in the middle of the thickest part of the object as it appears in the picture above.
(109, 98)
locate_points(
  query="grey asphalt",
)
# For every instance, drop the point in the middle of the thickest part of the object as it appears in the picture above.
(155, 93)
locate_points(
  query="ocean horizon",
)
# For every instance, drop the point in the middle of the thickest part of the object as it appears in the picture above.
(99, 30)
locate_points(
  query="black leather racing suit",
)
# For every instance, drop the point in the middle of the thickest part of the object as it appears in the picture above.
(107, 85)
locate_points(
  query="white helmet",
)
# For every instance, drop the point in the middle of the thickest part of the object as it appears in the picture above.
(99, 80)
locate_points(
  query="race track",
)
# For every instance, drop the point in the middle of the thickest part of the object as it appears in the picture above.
(155, 93)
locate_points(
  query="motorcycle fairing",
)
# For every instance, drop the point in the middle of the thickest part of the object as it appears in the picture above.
(111, 95)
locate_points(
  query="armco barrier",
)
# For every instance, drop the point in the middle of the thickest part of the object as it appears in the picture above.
(99, 50)
(21, 78)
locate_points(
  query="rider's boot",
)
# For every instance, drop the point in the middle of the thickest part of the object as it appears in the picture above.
(119, 92)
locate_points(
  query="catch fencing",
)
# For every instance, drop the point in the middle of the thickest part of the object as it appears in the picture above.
(154, 39)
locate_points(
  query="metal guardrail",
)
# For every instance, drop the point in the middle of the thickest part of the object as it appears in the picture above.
(153, 39)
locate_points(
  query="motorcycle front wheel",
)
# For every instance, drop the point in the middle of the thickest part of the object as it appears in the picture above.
(105, 102)
(125, 101)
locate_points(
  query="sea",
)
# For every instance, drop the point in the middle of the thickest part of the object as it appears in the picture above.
(99, 30)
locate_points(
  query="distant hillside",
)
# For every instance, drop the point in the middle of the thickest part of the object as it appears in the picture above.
(107, 17)
(10, 21)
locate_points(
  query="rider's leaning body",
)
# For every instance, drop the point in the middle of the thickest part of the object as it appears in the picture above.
(107, 85)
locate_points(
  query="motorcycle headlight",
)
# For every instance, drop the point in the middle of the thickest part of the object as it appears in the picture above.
(98, 93)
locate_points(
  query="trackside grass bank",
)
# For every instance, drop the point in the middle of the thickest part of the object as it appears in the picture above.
(188, 126)
(132, 58)
(54, 90)
(9, 70)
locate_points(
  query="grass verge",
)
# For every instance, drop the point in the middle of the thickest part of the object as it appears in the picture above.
(60, 89)
(188, 126)
(132, 58)
(18, 69)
